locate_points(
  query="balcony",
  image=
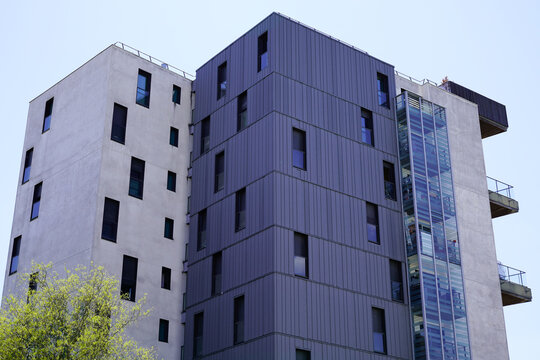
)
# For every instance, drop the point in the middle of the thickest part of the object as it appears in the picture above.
(513, 288)
(501, 199)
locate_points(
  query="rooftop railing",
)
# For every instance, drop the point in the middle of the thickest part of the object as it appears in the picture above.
(510, 274)
(419, 82)
(500, 187)
(154, 60)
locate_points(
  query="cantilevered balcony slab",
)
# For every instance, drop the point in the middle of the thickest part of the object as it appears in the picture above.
(501, 199)
(513, 288)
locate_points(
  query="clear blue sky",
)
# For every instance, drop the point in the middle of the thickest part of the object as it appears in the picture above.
(492, 47)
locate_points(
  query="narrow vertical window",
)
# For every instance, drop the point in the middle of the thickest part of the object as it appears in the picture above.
(299, 149)
(301, 267)
(36, 200)
(109, 228)
(173, 137)
(33, 282)
(163, 330)
(184, 302)
(382, 90)
(240, 210)
(303, 354)
(219, 180)
(169, 228)
(241, 121)
(165, 278)
(389, 181)
(171, 181)
(136, 178)
(201, 230)
(238, 326)
(205, 135)
(262, 51)
(396, 280)
(27, 165)
(198, 331)
(47, 116)
(15, 255)
(379, 330)
(118, 129)
(143, 88)
(176, 91)
(216, 274)
(128, 284)
(222, 80)
(372, 215)
(367, 127)
(182, 352)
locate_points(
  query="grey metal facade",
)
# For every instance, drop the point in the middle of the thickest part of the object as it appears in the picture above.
(316, 84)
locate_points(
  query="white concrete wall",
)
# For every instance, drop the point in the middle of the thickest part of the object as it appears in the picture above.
(487, 331)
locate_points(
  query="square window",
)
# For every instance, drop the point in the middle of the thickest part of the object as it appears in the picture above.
(240, 210)
(382, 90)
(143, 88)
(128, 284)
(379, 330)
(118, 129)
(176, 91)
(238, 326)
(171, 181)
(136, 178)
(27, 165)
(205, 135)
(109, 226)
(367, 127)
(299, 149)
(14, 264)
(219, 181)
(389, 181)
(201, 232)
(216, 274)
(36, 201)
(169, 228)
(301, 267)
(222, 80)
(173, 137)
(47, 116)
(165, 278)
(372, 215)
(262, 51)
(163, 330)
(241, 121)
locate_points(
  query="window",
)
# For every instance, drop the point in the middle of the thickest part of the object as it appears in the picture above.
(169, 228)
(129, 278)
(238, 331)
(118, 129)
(27, 165)
(303, 355)
(171, 181)
(184, 302)
(299, 149)
(205, 135)
(240, 217)
(379, 330)
(143, 88)
(222, 80)
(372, 215)
(163, 330)
(367, 127)
(182, 352)
(136, 178)
(176, 91)
(301, 267)
(47, 115)
(198, 323)
(396, 280)
(262, 51)
(109, 227)
(389, 181)
(33, 282)
(165, 278)
(219, 181)
(382, 90)
(241, 121)
(216, 274)
(173, 137)
(15, 255)
(36, 200)
(201, 231)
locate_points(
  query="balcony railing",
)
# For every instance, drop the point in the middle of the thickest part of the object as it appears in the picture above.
(501, 198)
(511, 274)
(500, 187)
(513, 286)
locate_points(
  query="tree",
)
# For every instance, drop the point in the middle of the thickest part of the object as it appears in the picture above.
(77, 316)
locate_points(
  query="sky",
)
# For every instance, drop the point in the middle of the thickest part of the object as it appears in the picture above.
(492, 47)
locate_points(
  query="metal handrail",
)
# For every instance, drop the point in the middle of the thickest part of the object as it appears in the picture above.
(419, 82)
(511, 274)
(500, 187)
(154, 60)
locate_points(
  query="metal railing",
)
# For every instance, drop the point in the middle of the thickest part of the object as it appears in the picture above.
(500, 187)
(419, 82)
(154, 60)
(510, 274)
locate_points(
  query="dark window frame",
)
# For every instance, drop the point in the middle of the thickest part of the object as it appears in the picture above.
(378, 322)
(111, 214)
(136, 178)
(239, 313)
(389, 176)
(171, 181)
(396, 280)
(143, 90)
(165, 278)
(217, 274)
(198, 334)
(47, 116)
(219, 172)
(372, 218)
(128, 284)
(36, 201)
(205, 135)
(173, 136)
(15, 253)
(163, 333)
(119, 124)
(222, 80)
(168, 231)
(201, 230)
(242, 112)
(367, 127)
(240, 210)
(301, 254)
(27, 165)
(299, 149)
(302, 354)
(262, 51)
(383, 93)
(176, 94)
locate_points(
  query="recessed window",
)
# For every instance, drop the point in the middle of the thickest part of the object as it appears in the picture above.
(382, 90)
(136, 178)
(47, 116)
(238, 327)
(372, 215)
(15, 255)
(367, 127)
(182, 352)
(176, 91)
(299, 149)
(241, 121)
(240, 210)
(118, 129)
(36, 201)
(303, 354)
(262, 51)
(379, 330)
(128, 285)
(173, 136)
(216, 274)
(201, 230)
(109, 226)
(205, 135)
(389, 181)
(219, 180)
(222, 80)
(198, 331)
(301, 255)
(184, 302)
(165, 278)
(163, 330)
(143, 88)
(33, 282)
(27, 165)
(171, 181)
(396, 280)
(169, 228)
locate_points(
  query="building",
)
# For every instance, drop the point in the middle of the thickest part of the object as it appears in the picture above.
(338, 209)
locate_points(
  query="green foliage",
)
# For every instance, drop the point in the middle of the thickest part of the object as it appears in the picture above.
(77, 316)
